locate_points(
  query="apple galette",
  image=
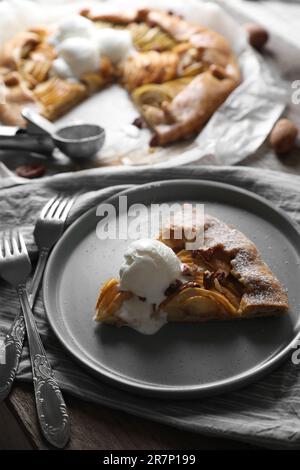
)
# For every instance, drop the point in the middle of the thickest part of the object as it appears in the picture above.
(160, 281)
(176, 72)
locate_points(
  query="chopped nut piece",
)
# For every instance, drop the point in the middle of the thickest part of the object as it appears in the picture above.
(209, 278)
(30, 171)
(154, 141)
(208, 281)
(11, 79)
(139, 122)
(218, 71)
(174, 287)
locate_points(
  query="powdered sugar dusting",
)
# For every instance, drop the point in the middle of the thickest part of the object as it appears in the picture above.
(262, 288)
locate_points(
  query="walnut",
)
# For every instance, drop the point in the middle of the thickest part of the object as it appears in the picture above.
(139, 122)
(174, 287)
(257, 35)
(210, 277)
(283, 136)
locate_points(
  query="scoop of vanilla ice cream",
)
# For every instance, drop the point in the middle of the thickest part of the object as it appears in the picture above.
(74, 26)
(80, 45)
(80, 54)
(61, 68)
(148, 269)
(115, 44)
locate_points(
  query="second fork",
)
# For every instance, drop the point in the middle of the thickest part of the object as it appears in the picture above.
(48, 229)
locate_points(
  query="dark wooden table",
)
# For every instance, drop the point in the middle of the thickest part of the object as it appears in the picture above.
(96, 427)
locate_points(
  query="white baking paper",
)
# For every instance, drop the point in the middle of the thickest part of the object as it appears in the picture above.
(235, 131)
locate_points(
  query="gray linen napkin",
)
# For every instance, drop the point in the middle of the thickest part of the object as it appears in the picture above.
(266, 413)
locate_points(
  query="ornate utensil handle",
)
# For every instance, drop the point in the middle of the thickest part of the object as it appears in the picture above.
(51, 408)
(12, 349)
(38, 274)
(13, 341)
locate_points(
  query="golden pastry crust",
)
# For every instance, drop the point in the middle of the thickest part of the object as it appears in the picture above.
(18, 48)
(29, 57)
(219, 75)
(190, 110)
(226, 279)
(229, 250)
(119, 18)
(17, 95)
(168, 49)
(57, 96)
(262, 288)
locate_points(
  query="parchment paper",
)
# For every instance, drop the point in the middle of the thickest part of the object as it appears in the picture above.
(235, 131)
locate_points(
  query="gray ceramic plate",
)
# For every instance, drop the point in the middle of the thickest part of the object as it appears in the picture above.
(180, 360)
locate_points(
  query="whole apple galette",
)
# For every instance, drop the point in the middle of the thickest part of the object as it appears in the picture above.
(176, 72)
(160, 281)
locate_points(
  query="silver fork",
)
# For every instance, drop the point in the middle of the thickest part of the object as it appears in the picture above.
(51, 408)
(48, 229)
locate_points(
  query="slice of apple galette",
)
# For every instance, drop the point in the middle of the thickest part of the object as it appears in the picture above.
(160, 281)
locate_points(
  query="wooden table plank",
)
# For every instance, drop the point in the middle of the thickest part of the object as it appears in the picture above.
(97, 427)
(12, 434)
